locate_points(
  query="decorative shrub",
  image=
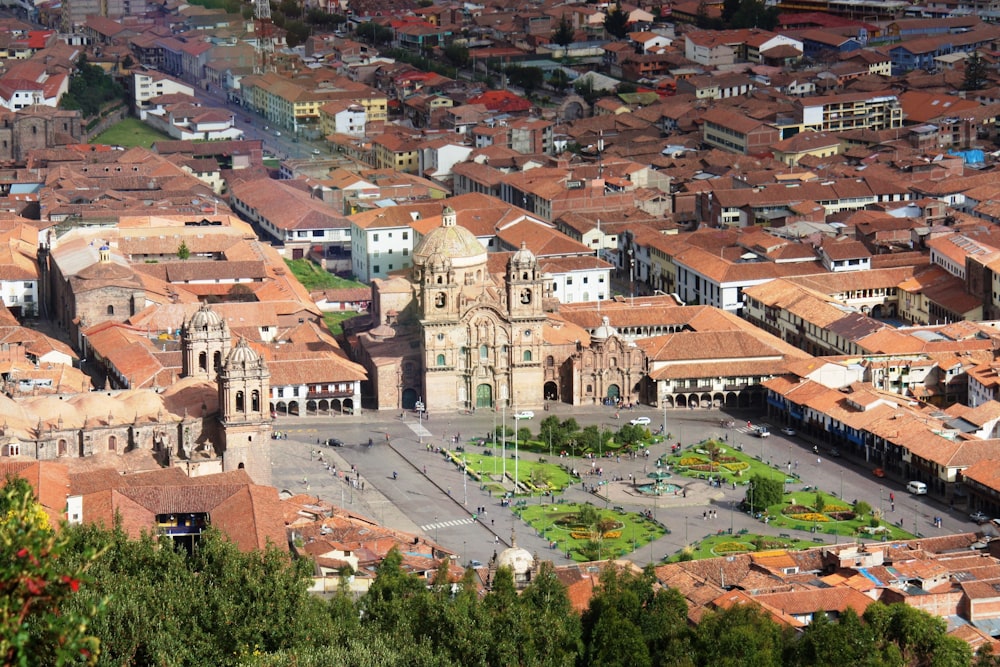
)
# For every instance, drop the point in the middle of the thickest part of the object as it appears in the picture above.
(835, 507)
(613, 534)
(841, 516)
(691, 461)
(792, 510)
(736, 467)
(576, 535)
(731, 547)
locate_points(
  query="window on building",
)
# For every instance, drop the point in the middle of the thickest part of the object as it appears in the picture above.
(440, 360)
(527, 355)
(376, 268)
(111, 310)
(484, 352)
(375, 237)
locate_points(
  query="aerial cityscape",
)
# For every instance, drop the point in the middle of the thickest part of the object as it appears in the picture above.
(381, 332)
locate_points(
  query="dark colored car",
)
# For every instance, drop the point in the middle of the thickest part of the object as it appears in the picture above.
(334, 442)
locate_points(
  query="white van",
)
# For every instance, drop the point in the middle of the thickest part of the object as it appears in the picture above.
(917, 488)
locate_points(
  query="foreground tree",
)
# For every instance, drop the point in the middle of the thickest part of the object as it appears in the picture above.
(35, 583)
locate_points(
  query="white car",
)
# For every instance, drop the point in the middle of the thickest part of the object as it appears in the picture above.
(640, 421)
(525, 414)
(788, 431)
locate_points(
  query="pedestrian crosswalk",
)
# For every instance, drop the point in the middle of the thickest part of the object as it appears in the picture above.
(420, 430)
(447, 524)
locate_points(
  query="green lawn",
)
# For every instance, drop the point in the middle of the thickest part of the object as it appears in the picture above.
(128, 133)
(620, 533)
(314, 277)
(334, 320)
(715, 546)
(536, 474)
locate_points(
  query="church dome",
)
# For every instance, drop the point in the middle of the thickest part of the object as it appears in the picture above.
(242, 355)
(519, 560)
(523, 257)
(452, 241)
(205, 318)
(604, 331)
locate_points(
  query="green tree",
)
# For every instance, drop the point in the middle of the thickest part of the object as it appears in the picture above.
(754, 14)
(527, 78)
(457, 54)
(373, 33)
(740, 635)
(182, 251)
(819, 504)
(559, 79)
(616, 22)
(551, 637)
(90, 88)
(36, 584)
(563, 34)
(861, 508)
(975, 73)
(766, 491)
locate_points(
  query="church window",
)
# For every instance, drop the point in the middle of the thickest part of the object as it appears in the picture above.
(63, 447)
(613, 362)
(34, 129)
(524, 276)
(527, 333)
(112, 444)
(550, 360)
(590, 389)
(111, 310)
(240, 402)
(440, 336)
(217, 359)
(526, 296)
(440, 280)
(440, 360)
(484, 352)
(203, 361)
(441, 299)
(527, 355)
(255, 400)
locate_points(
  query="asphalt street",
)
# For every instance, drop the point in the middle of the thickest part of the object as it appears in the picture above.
(401, 484)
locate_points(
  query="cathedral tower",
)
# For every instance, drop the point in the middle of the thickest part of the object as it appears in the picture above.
(244, 413)
(206, 341)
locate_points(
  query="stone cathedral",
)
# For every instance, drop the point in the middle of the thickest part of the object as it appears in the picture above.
(454, 336)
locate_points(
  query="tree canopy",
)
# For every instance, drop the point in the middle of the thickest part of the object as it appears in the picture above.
(89, 595)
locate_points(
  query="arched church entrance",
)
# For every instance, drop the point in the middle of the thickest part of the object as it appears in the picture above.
(614, 391)
(550, 391)
(484, 396)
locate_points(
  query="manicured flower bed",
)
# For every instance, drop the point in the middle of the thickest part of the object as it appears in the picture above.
(815, 517)
(731, 548)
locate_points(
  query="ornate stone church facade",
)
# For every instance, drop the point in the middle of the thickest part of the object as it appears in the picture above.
(452, 335)
(215, 418)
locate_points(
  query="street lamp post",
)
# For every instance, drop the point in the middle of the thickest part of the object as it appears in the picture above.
(465, 480)
(419, 405)
(663, 400)
(686, 542)
(503, 443)
(435, 529)
(516, 459)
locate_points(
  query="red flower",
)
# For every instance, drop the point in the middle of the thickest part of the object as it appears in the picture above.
(74, 584)
(23, 553)
(35, 586)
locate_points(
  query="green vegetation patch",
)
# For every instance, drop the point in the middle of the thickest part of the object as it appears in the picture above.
(588, 533)
(129, 133)
(315, 277)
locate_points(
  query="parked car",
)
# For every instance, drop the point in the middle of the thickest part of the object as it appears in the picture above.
(917, 488)
(640, 421)
(525, 414)
(317, 151)
(878, 472)
(334, 442)
(835, 453)
(788, 431)
(979, 518)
